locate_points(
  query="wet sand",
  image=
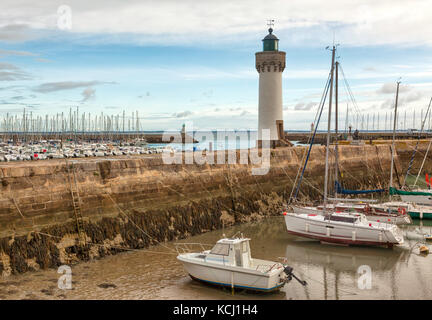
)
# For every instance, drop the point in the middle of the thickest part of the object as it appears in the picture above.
(331, 271)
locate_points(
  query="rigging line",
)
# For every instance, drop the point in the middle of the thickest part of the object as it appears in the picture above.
(311, 144)
(349, 91)
(357, 111)
(221, 204)
(306, 181)
(311, 185)
(348, 87)
(418, 140)
(311, 135)
(424, 160)
(120, 209)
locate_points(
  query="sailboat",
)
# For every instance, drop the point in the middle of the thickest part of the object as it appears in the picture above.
(338, 227)
(389, 212)
(418, 202)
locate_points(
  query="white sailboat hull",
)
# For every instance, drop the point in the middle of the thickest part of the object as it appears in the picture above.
(383, 218)
(376, 234)
(419, 199)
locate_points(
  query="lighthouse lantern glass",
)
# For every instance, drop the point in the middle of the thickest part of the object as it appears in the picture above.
(270, 45)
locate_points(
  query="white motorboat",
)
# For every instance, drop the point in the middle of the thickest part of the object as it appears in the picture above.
(230, 264)
(341, 228)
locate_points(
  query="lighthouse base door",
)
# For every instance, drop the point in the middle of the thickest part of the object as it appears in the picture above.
(280, 129)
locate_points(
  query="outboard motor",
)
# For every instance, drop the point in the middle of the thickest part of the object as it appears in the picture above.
(289, 272)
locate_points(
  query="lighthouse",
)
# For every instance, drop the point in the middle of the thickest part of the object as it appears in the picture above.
(270, 63)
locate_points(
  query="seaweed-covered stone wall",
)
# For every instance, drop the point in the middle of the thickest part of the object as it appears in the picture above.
(140, 201)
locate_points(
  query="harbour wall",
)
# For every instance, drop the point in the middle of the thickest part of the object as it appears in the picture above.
(136, 202)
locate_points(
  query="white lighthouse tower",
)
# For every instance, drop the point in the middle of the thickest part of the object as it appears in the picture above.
(270, 63)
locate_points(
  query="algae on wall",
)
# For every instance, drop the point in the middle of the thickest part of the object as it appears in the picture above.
(167, 202)
(57, 245)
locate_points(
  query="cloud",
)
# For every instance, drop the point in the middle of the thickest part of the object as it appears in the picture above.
(10, 72)
(15, 53)
(18, 98)
(390, 87)
(16, 32)
(208, 94)
(147, 95)
(305, 106)
(88, 93)
(404, 100)
(356, 22)
(43, 60)
(66, 85)
(370, 69)
(182, 114)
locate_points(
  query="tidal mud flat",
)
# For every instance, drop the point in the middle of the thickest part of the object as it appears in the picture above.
(331, 272)
(137, 202)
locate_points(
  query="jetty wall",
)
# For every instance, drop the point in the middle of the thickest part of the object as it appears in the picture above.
(135, 202)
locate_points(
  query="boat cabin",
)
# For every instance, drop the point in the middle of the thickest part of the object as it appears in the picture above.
(231, 251)
(347, 217)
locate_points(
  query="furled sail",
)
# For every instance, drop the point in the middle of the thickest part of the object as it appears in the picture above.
(394, 191)
(341, 190)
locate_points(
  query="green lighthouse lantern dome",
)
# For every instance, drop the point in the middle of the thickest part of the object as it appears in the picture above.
(270, 42)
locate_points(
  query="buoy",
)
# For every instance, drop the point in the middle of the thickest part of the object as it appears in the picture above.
(424, 249)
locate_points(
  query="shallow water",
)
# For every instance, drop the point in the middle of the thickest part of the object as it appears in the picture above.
(331, 271)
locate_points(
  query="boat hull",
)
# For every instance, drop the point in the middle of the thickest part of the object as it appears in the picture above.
(419, 199)
(346, 234)
(420, 215)
(230, 276)
(236, 286)
(397, 220)
(384, 218)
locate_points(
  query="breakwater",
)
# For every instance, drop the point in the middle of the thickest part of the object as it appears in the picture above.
(135, 202)
(376, 137)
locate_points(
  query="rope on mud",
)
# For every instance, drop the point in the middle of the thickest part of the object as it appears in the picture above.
(323, 284)
(102, 245)
(120, 209)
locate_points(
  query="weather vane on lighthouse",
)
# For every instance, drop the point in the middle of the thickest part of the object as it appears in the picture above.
(270, 23)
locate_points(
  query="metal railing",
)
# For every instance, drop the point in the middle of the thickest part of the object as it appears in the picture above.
(188, 247)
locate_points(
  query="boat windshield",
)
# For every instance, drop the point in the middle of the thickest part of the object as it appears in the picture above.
(220, 248)
(344, 219)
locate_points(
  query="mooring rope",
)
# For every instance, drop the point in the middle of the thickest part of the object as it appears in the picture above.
(323, 284)
(120, 209)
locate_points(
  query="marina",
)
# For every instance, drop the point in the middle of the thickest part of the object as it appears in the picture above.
(179, 151)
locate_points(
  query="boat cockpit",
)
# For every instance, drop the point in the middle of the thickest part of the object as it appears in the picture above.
(235, 252)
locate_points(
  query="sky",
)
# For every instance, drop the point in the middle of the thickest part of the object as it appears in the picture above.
(194, 60)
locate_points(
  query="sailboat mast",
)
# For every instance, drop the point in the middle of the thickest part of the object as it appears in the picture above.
(394, 135)
(328, 132)
(336, 124)
(427, 151)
